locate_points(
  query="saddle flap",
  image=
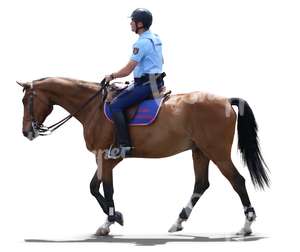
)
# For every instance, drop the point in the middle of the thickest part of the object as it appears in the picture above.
(140, 114)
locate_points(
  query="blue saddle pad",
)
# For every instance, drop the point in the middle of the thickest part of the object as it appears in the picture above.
(145, 114)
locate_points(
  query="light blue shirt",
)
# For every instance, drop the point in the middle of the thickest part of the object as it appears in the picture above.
(147, 51)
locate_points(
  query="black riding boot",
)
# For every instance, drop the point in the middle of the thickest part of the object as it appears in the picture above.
(122, 136)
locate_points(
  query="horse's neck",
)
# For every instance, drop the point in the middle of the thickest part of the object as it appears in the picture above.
(71, 95)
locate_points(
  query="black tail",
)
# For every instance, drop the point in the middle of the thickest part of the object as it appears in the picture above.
(248, 143)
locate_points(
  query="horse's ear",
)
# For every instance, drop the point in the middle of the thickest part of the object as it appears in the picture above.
(23, 84)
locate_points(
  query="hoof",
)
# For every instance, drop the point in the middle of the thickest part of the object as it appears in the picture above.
(175, 228)
(244, 232)
(119, 218)
(102, 231)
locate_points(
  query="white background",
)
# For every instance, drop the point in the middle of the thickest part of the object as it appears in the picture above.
(248, 49)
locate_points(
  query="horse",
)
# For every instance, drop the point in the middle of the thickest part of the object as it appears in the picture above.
(196, 121)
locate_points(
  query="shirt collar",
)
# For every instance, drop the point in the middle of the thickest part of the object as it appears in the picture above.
(145, 34)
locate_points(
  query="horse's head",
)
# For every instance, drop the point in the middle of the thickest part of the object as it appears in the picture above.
(37, 107)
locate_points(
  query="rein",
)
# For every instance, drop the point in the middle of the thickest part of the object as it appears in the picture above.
(43, 130)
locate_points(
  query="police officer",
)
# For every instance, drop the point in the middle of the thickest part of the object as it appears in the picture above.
(146, 62)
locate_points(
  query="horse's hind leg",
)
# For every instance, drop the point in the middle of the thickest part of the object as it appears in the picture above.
(201, 163)
(238, 183)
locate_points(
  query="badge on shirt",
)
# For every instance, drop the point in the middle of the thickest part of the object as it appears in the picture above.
(135, 50)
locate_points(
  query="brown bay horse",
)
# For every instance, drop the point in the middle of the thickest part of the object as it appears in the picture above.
(200, 122)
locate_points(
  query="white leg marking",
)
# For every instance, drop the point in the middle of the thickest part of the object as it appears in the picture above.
(250, 218)
(99, 160)
(177, 226)
(104, 229)
(246, 230)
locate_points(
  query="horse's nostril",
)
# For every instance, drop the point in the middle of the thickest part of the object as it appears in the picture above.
(29, 134)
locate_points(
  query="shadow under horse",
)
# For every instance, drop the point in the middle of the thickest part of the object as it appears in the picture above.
(154, 241)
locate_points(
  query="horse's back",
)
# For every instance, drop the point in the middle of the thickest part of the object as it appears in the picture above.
(196, 100)
(200, 109)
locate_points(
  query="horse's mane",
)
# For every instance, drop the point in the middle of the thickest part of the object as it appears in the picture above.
(68, 80)
(41, 79)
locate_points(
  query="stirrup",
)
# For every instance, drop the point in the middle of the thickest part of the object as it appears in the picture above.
(117, 152)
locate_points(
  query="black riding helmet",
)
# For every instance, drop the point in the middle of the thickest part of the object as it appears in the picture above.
(142, 15)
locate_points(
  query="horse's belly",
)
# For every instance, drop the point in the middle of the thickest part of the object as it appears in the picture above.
(163, 147)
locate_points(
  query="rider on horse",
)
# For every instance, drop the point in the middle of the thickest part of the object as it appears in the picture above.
(146, 63)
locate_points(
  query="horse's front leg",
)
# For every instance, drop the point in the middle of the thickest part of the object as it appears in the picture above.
(94, 187)
(104, 174)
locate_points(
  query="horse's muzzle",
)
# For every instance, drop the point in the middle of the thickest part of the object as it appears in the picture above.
(29, 134)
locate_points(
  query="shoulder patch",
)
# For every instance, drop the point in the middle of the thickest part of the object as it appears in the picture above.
(135, 50)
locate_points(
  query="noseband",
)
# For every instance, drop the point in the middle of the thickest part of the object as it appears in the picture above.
(38, 129)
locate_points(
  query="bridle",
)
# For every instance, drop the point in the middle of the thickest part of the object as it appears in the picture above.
(38, 129)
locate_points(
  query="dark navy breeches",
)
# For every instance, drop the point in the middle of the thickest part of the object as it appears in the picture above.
(131, 95)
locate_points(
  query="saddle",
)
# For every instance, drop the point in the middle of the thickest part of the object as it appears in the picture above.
(116, 88)
(143, 113)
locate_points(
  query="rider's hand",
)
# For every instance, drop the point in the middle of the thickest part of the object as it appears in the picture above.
(109, 77)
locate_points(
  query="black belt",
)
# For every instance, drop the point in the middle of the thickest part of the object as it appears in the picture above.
(146, 77)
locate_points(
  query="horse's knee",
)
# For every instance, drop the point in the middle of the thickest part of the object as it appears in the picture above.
(94, 187)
